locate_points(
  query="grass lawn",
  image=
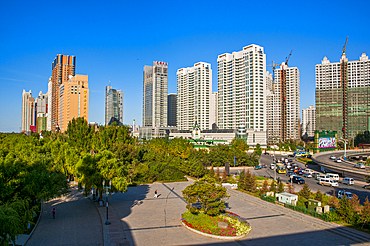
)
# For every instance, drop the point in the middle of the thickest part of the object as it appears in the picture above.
(237, 225)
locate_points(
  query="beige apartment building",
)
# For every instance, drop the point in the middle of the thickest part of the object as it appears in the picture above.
(73, 100)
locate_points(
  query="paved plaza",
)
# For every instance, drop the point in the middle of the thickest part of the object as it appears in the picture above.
(146, 220)
(77, 222)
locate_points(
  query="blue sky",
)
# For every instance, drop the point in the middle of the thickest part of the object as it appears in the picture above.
(115, 39)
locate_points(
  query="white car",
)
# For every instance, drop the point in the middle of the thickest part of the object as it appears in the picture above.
(332, 157)
(307, 175)
(338, 160)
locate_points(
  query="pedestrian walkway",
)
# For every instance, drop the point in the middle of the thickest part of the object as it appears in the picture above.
(114, 234)
(77, 222)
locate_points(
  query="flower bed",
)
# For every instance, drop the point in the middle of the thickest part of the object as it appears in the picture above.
(205, 224)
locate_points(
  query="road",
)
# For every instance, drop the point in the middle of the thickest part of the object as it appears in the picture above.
(313, 183)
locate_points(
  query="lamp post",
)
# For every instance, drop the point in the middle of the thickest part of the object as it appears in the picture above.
(345, 148)
(106, 197)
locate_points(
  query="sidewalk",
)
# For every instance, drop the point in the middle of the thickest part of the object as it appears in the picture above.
(113, 233)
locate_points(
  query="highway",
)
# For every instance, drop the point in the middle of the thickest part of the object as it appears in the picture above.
(312, 182)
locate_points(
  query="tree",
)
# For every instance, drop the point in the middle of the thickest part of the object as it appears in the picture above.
(364, 218)
(258, 150)
(241, 181)
(208, 194)
(264, 188)
(225, 177)
(273, 186)
(319, 195)
(346, 210)
(217, 174)
(291, 189)
(305, 192)
(280, 187)
(240, 144)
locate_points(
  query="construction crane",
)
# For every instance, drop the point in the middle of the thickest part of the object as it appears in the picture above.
(273, 70)
(287, 58)
(344, 84)
(344, 47)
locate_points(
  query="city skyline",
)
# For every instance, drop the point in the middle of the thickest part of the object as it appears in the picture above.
(118, 45)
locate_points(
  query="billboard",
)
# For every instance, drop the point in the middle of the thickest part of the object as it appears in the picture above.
(326, 142)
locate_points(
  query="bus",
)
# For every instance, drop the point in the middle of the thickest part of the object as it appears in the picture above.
(280, 168)
(301, 153)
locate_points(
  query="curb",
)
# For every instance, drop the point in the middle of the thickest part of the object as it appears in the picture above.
(101, 220)
(215, 236)
(38, 220)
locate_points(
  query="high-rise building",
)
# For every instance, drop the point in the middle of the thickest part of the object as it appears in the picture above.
(48, 119)
(308, 122)
(62, 67)
(213, 110)
(283, 104)
(113, 106)
(242, 89)
(73, 100)
(329, 96)
(172, 109)
(194, 88)
(42, 112)
(155, 94)
(28, 117)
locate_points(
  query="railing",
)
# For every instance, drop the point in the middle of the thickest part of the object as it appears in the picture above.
(300, 209)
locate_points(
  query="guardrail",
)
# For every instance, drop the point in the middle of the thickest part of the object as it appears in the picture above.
(339, 167)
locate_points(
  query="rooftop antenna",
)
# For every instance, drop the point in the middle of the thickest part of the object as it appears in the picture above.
(109, 81)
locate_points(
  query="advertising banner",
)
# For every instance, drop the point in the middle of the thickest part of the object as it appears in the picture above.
(326, 142)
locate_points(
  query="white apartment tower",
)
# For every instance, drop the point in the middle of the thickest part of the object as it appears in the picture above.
(213, 109)
(194, 88)
(308, 122)
(242, 89)
(155, 95)
(283, 104)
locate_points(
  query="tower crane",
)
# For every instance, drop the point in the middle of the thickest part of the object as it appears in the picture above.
(287, 58)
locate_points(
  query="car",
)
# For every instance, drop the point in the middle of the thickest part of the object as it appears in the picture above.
(290, 160)
(332, 157)
(348, 181)
(291, 156)
(344, 194)
(329, 182)
(290, 173)
(272, 166)
(266, 153)
(314, 175)
(338, 160)
(359, 165)
(299, 172)
(298, 180)
(307, 175)
(367, 187)
(258, 167)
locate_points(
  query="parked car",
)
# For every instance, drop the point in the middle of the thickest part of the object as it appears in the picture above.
(338, 160)
(332, 157)
(359, 165)
(290, 155)
(258, 167)
(263, 166)
(344, 194)
(348, 181)
(307, 175)
(298, 180)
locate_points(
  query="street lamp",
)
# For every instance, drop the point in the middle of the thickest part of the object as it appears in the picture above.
(345, 147)
(106, 196)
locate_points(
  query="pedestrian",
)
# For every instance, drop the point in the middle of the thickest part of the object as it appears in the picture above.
(53, 212)
(278, 180)
(155, 194)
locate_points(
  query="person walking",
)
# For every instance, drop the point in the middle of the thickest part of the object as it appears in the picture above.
(53, 212)
(155, 194)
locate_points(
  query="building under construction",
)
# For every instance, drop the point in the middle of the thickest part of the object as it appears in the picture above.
(342, 96)
(283, 103)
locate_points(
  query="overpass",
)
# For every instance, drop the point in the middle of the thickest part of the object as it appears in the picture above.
(345, 168)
